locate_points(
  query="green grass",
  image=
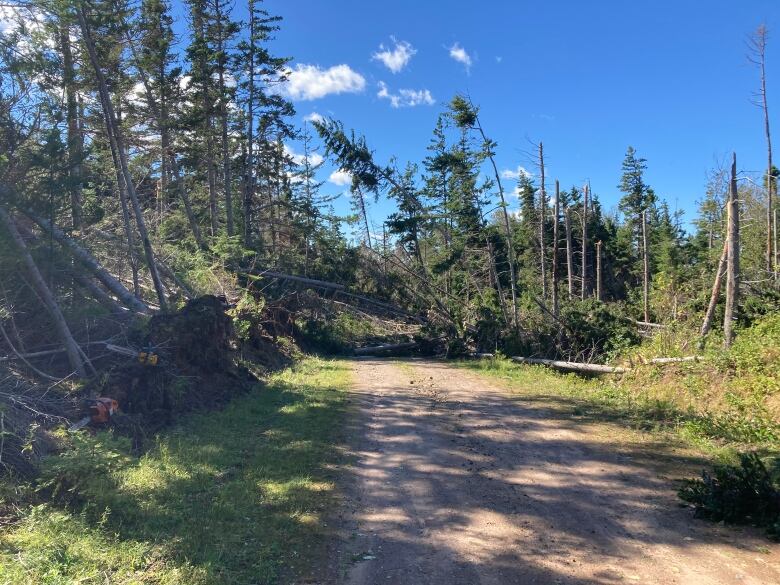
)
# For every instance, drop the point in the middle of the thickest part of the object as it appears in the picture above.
(652, 400)
(237, 496)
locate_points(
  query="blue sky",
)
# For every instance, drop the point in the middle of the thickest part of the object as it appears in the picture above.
(586, 78)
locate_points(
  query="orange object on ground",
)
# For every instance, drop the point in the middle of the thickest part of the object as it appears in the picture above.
(101, 409)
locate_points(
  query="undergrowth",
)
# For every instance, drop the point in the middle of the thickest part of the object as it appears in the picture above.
(236, 496)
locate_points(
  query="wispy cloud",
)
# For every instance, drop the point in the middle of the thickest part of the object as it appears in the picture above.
(405, 98)
(398, 57)
(460, 55)
(311, 82)
(341, 178)
(315, 158)
(516, 173)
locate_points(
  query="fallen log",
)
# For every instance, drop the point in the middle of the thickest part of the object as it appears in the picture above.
(384, 348)
(650, 325)
(573, 366)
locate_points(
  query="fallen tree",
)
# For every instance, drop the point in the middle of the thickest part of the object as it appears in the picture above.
(573, 366)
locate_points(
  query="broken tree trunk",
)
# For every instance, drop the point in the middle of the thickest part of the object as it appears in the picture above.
(112, 284)
(716, 286)
(117, 140)
(732, 258)
(39, 284)
(573, 366)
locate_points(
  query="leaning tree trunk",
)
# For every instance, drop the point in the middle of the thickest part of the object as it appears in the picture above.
(732, 259)
(88, 261)
(39, 284)
(716, 286)
(569, 252)
(115, 136)
(645, 268)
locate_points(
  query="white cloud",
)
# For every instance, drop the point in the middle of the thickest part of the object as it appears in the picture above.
(515, 174)
(314, 117)
(315, 158)
(405, 98)
(341, 178)
(460, 55)
(397, 58)
(311, 82)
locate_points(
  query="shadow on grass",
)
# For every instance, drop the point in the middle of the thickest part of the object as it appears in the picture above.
(236, 496)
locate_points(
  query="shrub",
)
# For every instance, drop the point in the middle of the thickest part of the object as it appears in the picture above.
(736, 494)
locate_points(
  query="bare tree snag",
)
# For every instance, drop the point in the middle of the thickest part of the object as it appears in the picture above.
(542, 216)
(556, 213)
(115, 136)
(569, 252)
(645, 268)
(716, 286)
(584, 289)
(757, 46)
(732, 259)
(39, 284)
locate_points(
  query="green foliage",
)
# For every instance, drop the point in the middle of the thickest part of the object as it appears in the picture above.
(736, 494)
(337, 335)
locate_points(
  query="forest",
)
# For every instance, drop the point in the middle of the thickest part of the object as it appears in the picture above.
(164, 245)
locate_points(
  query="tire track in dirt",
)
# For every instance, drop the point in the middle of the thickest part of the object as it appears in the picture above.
(456, 483)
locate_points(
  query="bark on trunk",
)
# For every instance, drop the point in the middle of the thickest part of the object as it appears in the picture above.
(75, 138)
(598, 271)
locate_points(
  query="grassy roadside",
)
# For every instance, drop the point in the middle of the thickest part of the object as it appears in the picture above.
(236, 496)
(664, 403)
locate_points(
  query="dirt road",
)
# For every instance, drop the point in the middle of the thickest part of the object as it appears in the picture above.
(456, 483)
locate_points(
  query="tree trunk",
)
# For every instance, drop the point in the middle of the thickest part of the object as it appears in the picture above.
(573, 366)
(75, 138)
(115, 136)
(584, 289)
(61, 326)
(645, 268)
(556, 213)
(542, 216)
(716, 286)
(223, 102)
(732, 259)
(249, 171)
(569, 252)
(598, 271)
